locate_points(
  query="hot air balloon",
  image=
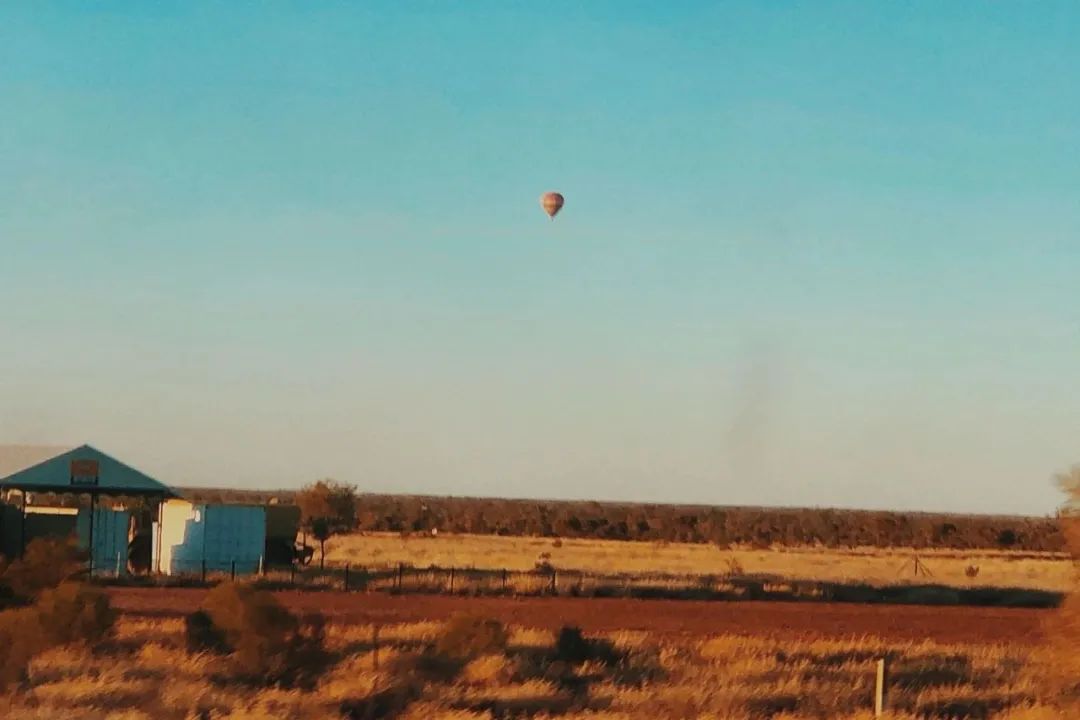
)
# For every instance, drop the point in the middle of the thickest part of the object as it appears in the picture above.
(552, 203)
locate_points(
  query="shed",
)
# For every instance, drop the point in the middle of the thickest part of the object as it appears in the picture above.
(80, 471)
(193, 537)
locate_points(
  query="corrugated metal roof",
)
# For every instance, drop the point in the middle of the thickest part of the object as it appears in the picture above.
(84, 469)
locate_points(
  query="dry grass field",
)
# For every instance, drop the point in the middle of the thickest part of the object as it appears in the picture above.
(146, 673)
(1043, 571)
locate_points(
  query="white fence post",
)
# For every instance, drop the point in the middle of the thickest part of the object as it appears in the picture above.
(879, 689)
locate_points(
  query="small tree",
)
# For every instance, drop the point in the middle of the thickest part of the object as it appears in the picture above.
(327, 508)
(1061, 678)
(1069, 482)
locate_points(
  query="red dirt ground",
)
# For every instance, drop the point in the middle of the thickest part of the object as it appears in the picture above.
(665, 617)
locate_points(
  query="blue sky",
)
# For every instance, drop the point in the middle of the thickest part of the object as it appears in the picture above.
(812, 253)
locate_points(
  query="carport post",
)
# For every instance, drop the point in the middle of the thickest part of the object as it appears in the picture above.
(93, 507)
(157, 555)
(22, 524)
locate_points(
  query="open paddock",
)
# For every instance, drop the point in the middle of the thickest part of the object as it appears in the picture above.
(874, 566)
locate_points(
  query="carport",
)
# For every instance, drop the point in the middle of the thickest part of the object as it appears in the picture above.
(83, 471)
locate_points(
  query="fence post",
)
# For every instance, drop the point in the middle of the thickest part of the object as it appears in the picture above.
(400, 573)
(232, 572)
(451, 581)
(203, 576)
(504, 580)
(554, 589)
(879, 688)
(346, 577)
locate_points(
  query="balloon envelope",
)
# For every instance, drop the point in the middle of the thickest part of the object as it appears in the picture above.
(552, 203)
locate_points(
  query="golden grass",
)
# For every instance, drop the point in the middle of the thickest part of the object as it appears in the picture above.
(146, 673)
(877, 566)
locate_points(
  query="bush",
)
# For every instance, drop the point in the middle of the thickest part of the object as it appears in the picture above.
(264, 638)
(21, 639)
(202, 636)
(74, 612)
(574, 648)
(467, 637)
(305, 655)
(255, 626)
(46, 563)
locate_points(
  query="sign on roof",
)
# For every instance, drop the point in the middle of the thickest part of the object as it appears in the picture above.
(84, 473)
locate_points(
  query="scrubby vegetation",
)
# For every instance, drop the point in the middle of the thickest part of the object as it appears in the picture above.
(46, 563)
(148, 673)
(74, 612)
(264, 641)
(50, 609)
(467, 637)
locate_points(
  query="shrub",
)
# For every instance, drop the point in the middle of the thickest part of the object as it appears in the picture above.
(201, 634)
(264, 638)
(255, 626)
(464, 639)
(46, 563)
(21, 639)
(305, 653)
(574, 648)
(467, 637)
(74, 612)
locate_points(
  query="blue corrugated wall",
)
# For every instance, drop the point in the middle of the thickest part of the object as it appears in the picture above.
(221, 535)
(110, 538)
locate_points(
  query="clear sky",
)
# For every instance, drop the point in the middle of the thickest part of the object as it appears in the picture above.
(812, 253)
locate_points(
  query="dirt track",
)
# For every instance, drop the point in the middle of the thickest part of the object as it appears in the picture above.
(778, 619)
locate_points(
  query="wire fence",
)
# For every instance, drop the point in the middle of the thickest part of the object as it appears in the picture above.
(549, 581)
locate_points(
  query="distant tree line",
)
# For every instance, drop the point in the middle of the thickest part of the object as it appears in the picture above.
(694, 524)
(719, 525)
